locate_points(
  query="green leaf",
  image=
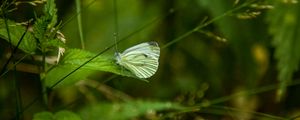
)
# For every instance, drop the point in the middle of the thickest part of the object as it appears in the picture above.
(73, 58)
(40, 28)
(126, 110)
(61, 115)
(50, 10)
(66, 115)
(285, 28)
(54, 43)
(60, 71)
(28, 44)
(43, 116)
(44, 26)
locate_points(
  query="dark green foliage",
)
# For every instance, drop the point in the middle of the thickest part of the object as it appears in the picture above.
(240, 37)
(285, 28)
(126, 110)
(219, 60)
(50, 10)
(40, 28)
(54, 43)
(60, 115)
(45, 28)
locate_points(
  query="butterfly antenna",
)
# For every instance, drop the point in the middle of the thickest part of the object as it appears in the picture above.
(116, 33)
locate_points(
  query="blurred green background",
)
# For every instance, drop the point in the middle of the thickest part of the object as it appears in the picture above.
(240, 64)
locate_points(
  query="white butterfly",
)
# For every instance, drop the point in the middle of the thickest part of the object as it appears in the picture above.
(141, 59)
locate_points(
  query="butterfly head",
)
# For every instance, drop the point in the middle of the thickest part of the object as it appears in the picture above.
(118, 57)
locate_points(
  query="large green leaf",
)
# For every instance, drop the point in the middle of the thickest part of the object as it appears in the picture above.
(126, 110)
(61, 115)
(285, 28)
(28, 43)
(73, 59)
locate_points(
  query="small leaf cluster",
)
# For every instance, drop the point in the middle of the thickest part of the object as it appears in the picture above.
(45, 28)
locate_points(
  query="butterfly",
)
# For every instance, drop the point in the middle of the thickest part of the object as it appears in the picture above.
(141, 59)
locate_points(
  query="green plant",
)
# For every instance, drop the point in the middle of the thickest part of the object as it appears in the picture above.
(219, 59)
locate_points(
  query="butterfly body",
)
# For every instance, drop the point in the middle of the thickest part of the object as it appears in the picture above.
(141, 59)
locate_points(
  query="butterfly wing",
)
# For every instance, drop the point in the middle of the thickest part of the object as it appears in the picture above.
(142, 67)
(142, 59)
(147, 48)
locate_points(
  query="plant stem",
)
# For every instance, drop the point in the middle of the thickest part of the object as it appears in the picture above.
(43, 76)
(79, 23)
(17, 93)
